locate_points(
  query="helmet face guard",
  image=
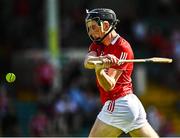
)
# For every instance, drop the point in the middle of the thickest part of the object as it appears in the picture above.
(99, 15)
(90, 24)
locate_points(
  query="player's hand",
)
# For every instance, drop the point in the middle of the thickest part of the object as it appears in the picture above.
(113, 60)
(108, 61)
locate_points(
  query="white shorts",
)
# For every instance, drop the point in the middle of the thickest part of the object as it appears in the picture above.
(125, 113)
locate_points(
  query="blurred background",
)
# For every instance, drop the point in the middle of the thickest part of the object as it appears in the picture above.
(44, 42)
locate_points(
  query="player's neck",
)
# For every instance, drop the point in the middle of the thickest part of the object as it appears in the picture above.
(109, 38)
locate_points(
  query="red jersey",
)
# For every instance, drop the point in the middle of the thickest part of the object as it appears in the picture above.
(122, 50)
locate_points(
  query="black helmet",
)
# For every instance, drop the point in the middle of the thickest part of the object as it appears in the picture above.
(99, 15)
(102, 14)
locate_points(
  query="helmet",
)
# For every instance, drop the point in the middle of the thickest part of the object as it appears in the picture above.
(102, 14)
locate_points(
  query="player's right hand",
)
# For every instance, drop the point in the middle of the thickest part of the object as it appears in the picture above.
(108, 60)
(113, 59)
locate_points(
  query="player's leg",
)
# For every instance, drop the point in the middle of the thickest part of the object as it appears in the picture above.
(101, 129)
(145, 131)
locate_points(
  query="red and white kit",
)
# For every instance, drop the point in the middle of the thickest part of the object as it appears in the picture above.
(120, 104)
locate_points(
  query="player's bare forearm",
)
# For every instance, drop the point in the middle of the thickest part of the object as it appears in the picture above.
(106, 82)
(89, 65)
(91, 56)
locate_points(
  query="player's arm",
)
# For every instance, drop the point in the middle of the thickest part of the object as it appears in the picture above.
(108, 76)
(108, 60)
(107, 79)
(91, 56)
